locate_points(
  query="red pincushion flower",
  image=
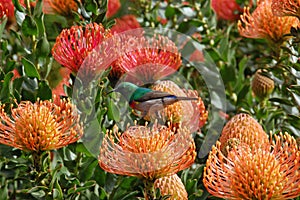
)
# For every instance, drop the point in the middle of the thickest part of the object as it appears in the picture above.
(148, 60)
(73, 45)
(112, 7)
(125, 23)
(7, 9)
(226, 9)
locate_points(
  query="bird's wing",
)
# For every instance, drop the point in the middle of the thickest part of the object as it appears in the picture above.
(154, 95)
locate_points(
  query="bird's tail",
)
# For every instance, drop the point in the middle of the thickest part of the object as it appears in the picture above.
(187, 98)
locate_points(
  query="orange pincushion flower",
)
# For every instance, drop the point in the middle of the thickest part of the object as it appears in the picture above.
(191, 114)
(286, 8)
(149, 59)
(262, 23)
(246, 173)
(246, 129)
(200, 113)
(179, 111)
(73, 45)
(171, 185)
(40, 126)
(147, 152)
(62, 7)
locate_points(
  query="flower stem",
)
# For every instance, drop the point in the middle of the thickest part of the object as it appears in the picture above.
(37, 164)
(149, 191)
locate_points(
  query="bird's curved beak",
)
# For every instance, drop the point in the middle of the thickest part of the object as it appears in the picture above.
(110, 92)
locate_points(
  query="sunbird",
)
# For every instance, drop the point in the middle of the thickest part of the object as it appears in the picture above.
(145, 100)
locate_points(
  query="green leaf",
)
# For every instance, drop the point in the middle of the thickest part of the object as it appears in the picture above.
(170, 12)
(37, 191)
(191, 186)
(82, 149)
(30, 69)
(29, 26)
(127, 182)
(113, 112)
(38, 9)
(296, 97)
(5, 90)
(85, 186)
(68, 154)
(223, 50)
(88, 169)
(130, 195)
(281, 100)
(44, 92)
(240, 78)
(43, 47)
(4, 193)
(242, 94)
(213, 53)
(91, 6)
(93, 137)
(40, 26)
(2, 26)
(102, 194)
(18, 5)
(198, 172)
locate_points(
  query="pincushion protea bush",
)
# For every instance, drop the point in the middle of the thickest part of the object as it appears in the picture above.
(65, 135)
